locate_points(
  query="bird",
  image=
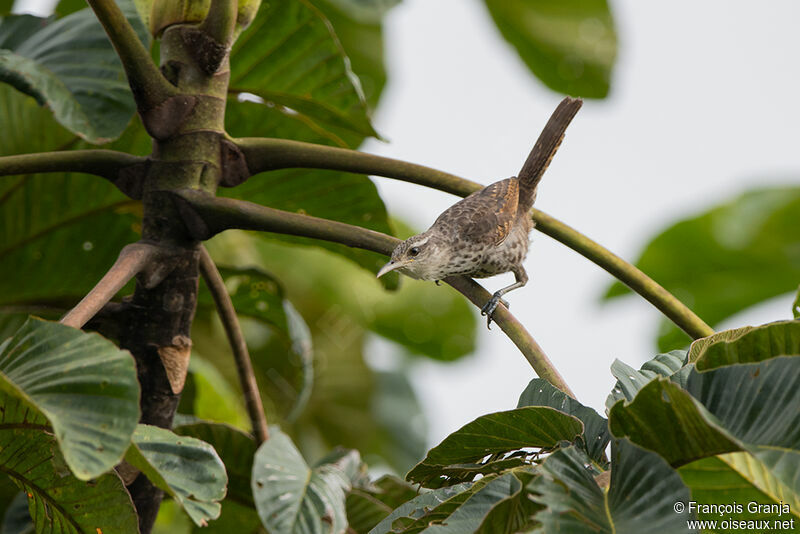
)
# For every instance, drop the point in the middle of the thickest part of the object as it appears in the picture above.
(488, 232)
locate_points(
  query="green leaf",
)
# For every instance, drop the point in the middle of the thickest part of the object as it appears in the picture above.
(666, 419)
(733, 256)
(595, 435)
(570, 45)
(290, 57)
(641, 497)
(741, 407)
(82, 383)
(630, 381)
(418, 506)
(515, 512)
(735, 478)
(361, 36)
(236, 449)
(187, 468)
(368, 505)
(746, 345)
(67, 7)
(467, 511)
(293, 498)
(70, 66)
(57, 500)
(500, 436)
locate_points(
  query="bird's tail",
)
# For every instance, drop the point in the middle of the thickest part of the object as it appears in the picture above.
(544, 150)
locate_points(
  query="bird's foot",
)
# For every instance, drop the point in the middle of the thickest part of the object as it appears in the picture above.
(490, 306)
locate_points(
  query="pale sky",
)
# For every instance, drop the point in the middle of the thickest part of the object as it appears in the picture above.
(703, 106)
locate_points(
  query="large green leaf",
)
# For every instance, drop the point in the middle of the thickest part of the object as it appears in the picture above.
(290, 57)
(570, 45)
(737, 254)
(293, 498)
(500, 436)
(641, 497)
(735, 478)
(58, 501)
(418, 506)
(82, 383)
(595, 435)
(370, 504)
(75, 221)
(742, 407)
(188, 469)
(466, 511)
(361, 35)
(746, 345)
(69, 65)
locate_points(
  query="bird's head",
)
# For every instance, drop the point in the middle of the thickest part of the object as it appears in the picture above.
(422, 256)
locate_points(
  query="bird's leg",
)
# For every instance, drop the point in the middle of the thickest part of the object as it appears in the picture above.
(521, 279)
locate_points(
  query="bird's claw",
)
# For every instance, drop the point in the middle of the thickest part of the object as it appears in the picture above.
(489, 308)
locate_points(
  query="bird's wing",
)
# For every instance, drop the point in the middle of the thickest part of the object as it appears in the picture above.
(486, 215)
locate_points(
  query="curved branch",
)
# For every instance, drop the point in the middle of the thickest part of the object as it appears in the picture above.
(132, 260)
(206, 215)
(150, 87)
(271, 154)
(117, 167)
(241, 355)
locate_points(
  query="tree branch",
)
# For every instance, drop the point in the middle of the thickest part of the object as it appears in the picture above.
(271, 154)
(132, 260)
(117, 167)
(206, 215)
(150, 87)
(241, 355)
(220, 21)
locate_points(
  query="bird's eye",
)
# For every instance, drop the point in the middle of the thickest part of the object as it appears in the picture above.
(413, 251)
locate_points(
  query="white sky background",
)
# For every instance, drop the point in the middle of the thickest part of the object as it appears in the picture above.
(704, 105)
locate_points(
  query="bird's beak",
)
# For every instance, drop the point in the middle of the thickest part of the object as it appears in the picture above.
(391, 266)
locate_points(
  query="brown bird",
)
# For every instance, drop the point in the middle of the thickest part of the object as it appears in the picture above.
(487, 232)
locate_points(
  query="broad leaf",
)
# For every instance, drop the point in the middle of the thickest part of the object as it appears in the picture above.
(367, 506)
(82, 383)
(737, 254)
(466, 511)
(736, 478)
(293, 498)
(57, 500)
(418, 506)
(570, 45)
(504, 437)
(641, 497)
(290, 58)
(75, 221)
(746, 345)
(742, 407)
(630, 381)
(70, 66)
(362, 39)
(187, 468)
(595, 436)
